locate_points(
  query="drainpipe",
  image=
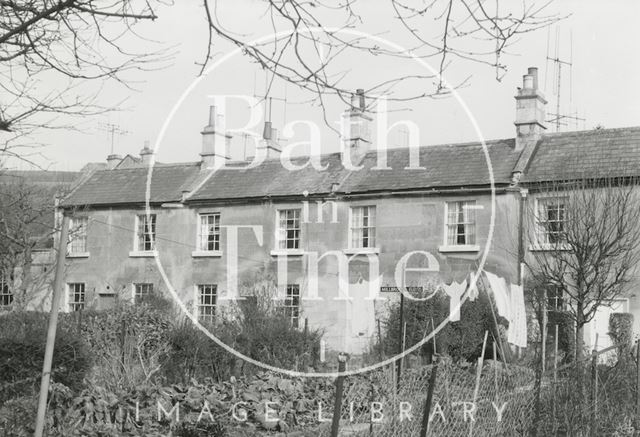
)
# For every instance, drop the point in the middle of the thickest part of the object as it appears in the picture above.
(521, 243)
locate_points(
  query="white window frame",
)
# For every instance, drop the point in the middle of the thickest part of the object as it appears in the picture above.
(541, 234)
(560, 303)
(6, 292)
(73, 305)
(281, 232)
(371, 227)
(137, 250)
(200, 304)
(447, 246)
(202, 249)
(136, 290)
(78, 232)
(291, 304)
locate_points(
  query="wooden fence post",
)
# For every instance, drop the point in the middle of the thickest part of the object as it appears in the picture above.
(427, 405)
(337, 405)
(555, 380)
(400, 342)
(638, 381)
(594, 392)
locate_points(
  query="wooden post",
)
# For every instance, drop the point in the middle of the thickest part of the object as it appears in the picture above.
(495, 379)
(380, 345)
(58, 282)
(495, 373)
(337, 405)
(555, 357)
(544, 331)
(427, 405)
(479, 375)
(638, 380)
(594, 392)
(555, 378)
(433, 329)
(404, 343)
(400, 345)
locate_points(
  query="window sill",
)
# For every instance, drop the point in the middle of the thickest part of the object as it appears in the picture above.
(462, 248)
(143, 253)
(206, 253)
(287, 252)
(548, 247)
(362, 251)
(78, 255)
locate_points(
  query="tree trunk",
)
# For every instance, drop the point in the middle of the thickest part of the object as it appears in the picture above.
(579, 331)
(579, 342)
(25, 279)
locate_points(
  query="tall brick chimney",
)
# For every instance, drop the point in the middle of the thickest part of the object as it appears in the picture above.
(356, 128)
(215, 144)
(530, 111)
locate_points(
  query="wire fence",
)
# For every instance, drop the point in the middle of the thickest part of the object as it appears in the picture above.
(597, 396)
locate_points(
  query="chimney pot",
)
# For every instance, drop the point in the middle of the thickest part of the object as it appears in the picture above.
(354, 102)
(533, 72)
(361, 102)
(266, 132)
(212, 116)
(215, 145)
(527, 82)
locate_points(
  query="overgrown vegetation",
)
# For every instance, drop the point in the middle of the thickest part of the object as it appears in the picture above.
(461, 340)
(108, 362)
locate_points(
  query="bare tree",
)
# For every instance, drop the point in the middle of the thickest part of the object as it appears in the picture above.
(585, 234)
(310, 44)
(49, 49)
(27, 228)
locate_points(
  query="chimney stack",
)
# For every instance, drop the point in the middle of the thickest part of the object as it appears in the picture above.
(530, 111)
(113, 161)
(356, 128)
(268, 146)
(146, 154)
(215, 144)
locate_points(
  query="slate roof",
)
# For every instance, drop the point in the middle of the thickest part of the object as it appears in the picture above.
(446, 166)
(39, 177)
(271, 179)
(126, 186)
(603, 152)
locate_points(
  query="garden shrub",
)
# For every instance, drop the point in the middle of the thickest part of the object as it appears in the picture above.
(461, 340)
(266, 334)
(621, 332)
(256, 326)
(192, 354)
(128, 342)
(566, 334)
(22, 344)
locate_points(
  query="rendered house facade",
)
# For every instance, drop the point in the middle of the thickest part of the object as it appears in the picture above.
(210, 226)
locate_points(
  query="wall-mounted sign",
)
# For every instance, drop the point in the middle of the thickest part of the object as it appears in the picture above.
(396, 290)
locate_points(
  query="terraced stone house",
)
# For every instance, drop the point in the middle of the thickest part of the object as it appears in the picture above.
(436, 218)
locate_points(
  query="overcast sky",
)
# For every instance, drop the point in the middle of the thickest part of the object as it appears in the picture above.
(603, 88)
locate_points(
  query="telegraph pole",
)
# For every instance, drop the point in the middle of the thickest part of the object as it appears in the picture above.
(53, 325)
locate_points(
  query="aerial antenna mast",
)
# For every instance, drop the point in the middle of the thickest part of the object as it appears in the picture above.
(558, 118)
